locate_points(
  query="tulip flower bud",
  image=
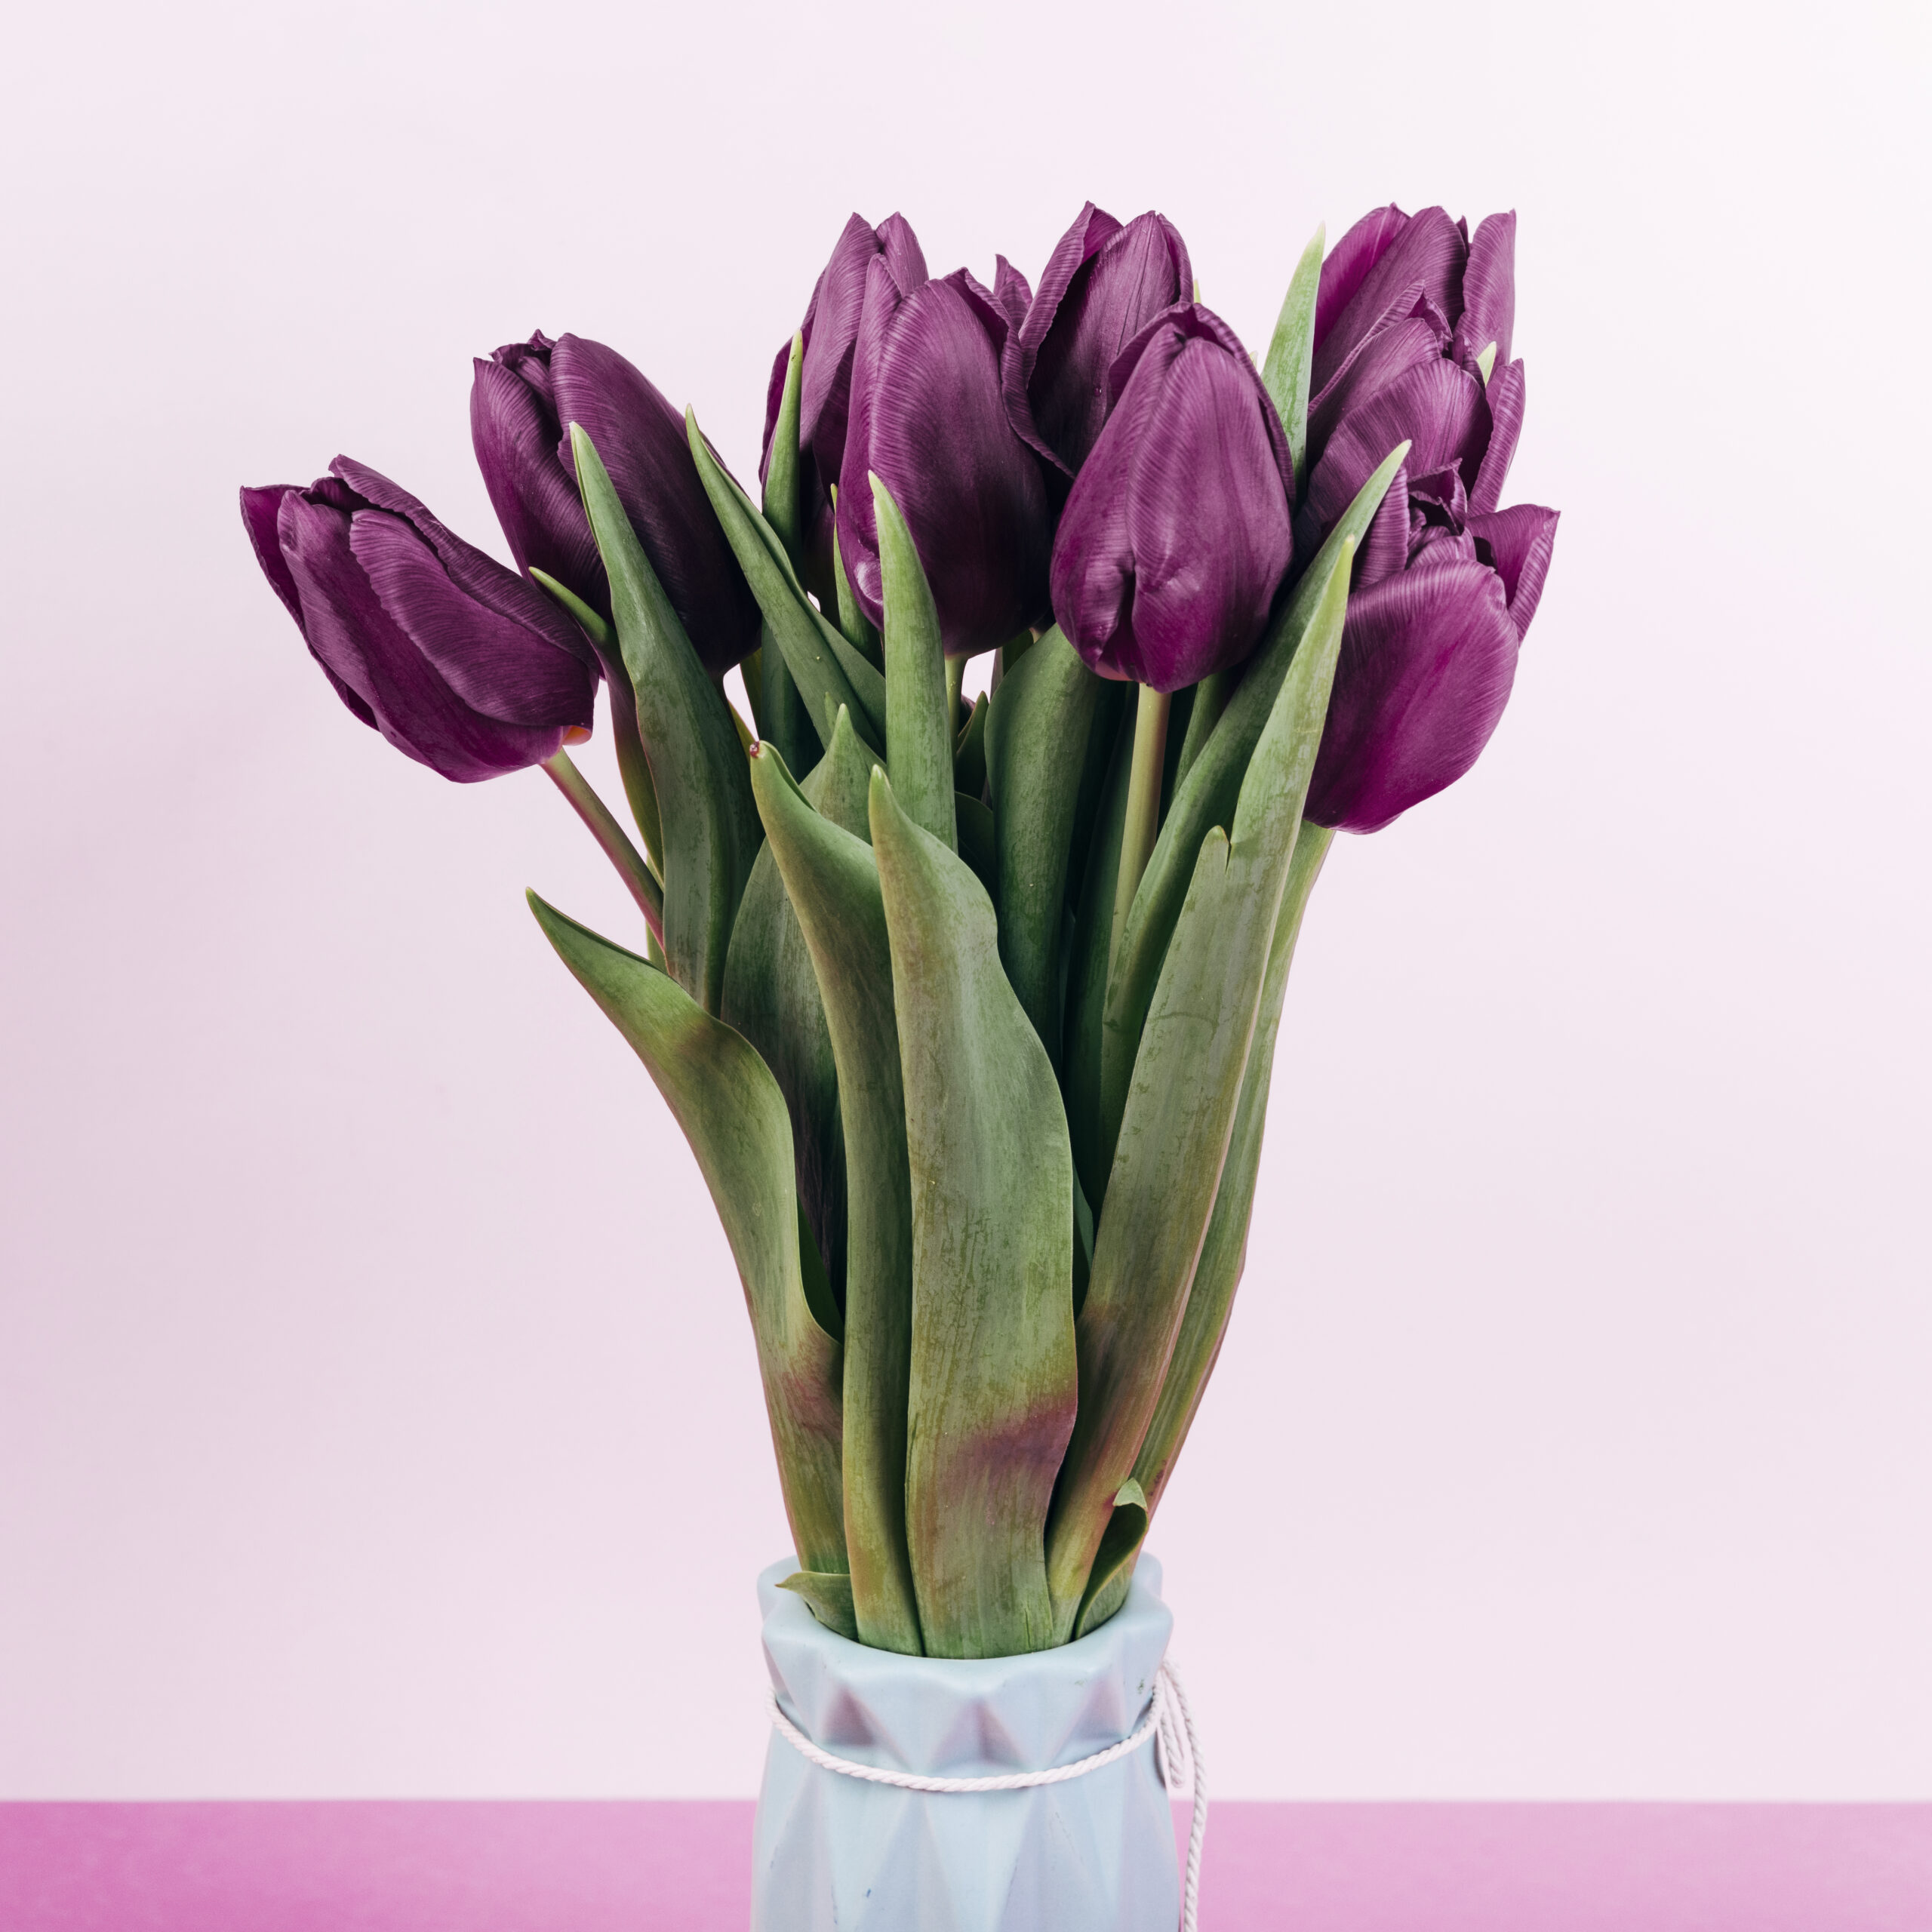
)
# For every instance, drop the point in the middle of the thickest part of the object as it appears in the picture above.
(1103, 284)
(455, 659)
(1177, 532)
(521, 405)
(929, 419)
(831, 333)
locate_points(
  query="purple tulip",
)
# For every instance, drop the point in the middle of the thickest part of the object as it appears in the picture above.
(1103, 286)
(522, 405)
(831, 332)
(1445, 582)
(455, 659)
(928, 417)
(1178, 531)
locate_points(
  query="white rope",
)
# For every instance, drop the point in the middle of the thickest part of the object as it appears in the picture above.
(1177, 1757)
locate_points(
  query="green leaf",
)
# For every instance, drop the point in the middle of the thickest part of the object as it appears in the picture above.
(1217, 1274)
(771, 997)
(828, 672)
(1086, 970)
(1210, 699)
(978, 841)
(1486, 363)
(781, 505)
(783, 720)
(969, 752)
(1284, 374)
(1113, 1562)
(833, 880)
(853, 625)
(711, 831)
(829, 1594)
(1036, 752)
(1205, 797)
(1180, 1111)
(991, 1394)
(918, 730)
(724, 1097)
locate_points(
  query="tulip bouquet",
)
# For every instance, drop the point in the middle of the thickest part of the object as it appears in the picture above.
(969, 1014)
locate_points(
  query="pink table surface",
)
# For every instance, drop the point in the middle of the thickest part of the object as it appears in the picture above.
(666, 1867)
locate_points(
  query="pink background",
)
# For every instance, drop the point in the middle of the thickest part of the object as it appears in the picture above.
(377, 1414)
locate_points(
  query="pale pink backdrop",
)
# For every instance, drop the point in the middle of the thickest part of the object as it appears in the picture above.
(377, 1412)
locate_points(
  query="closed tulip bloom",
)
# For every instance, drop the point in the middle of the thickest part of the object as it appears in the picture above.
(521, 405)
(1103, 285)
(456, 660)
(1177, 532)
(928, 417)
(831, 333)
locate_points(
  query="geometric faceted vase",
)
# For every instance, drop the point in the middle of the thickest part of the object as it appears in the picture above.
(1094, 1854)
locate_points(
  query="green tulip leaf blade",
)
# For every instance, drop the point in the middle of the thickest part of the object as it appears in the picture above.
(1179, 1114)
(969, 751)
(1087, 967)
(725, 1099)
(1114, 1561)
(1207, 797)
(918, 732)
(831, 880)
(828, 672)
(1036, 752)
(709, 827)
(829, 1595)
(992, 1392)
(1291, 353)
(853, 625)
(1224, 1250)
(978, 841)
(781, 494)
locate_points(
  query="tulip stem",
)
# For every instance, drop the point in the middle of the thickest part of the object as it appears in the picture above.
(609, 834)
(1143, 804)
(956, 683)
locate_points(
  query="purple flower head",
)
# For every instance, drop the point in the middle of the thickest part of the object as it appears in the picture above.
(1445, 582)
(1103, 286)
(455, 659)
(522, 405)
(831, 332)
(1178, 531)
(929, 419)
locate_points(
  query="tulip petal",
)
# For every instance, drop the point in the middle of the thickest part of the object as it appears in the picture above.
(1489, 289)
(1438, 405)
(1521, 540)
(1506, 397)
(1428, 252)
(1133, 277)
(474, 573)
(1348, 262)
(1427, 659)
(929, 418)
(1091, 227)
(500, 669)
(1388, 353)
(1385, 550)
(261, 510)
(640, 439)
(361, 645)
(514, 436)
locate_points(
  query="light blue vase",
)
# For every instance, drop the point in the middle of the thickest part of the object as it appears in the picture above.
(834, 1854)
